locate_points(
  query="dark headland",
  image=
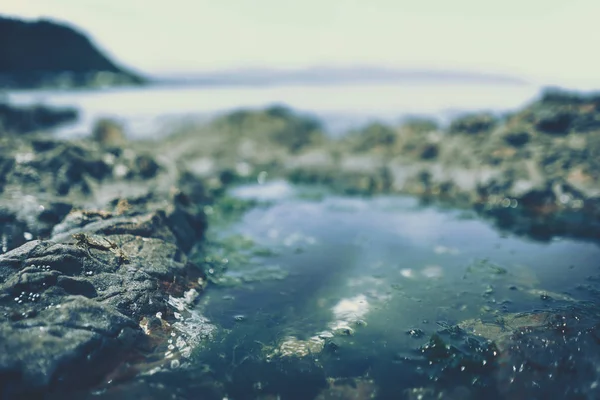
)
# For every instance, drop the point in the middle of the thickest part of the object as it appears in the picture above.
(43, 53)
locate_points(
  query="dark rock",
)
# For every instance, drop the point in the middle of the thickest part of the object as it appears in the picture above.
(40, 352)
(146, 167)
(430, 151)
(76, 301)
(556, 359)
(77, 286)
(473, 124)
(54, 213)
(556, 122)
(517, 138)
(12, 230)
(35, 118)
(559, 112)
(72, 305)
(54, 174)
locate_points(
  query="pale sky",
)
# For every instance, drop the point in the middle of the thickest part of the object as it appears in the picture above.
(551, 41)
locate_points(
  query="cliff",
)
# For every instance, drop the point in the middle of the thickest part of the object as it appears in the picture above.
(43, 53)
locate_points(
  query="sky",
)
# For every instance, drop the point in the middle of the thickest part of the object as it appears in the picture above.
(549, 41)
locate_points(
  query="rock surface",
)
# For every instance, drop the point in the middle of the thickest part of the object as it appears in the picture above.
(31, 119)
(95, 241)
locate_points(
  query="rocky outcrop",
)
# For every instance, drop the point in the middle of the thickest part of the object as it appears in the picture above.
(30, 119)
(93, 262)
(44, 53)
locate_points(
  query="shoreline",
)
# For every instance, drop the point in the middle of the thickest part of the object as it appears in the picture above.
(98, 232)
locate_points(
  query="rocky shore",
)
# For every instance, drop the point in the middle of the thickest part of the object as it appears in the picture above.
(96, 234)
(534, 171)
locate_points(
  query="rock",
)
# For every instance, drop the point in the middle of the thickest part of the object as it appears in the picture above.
(517, 138)
(80, 298)
(555, 350)
(45, 178)
(42, 350)
(430, 151)
(559, 112)
(34, 118)
(473, 124)
(556, 122)
(77, 281)
(375, 135)
(277, 125)
(108, 133)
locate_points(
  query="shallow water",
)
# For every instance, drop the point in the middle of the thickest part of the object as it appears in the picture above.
(349, 287)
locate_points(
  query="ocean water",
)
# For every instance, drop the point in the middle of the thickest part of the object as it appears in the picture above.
(154, 110)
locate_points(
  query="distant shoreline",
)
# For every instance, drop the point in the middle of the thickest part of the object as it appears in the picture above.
(328, 76)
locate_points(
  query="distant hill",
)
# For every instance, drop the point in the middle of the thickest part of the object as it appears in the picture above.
(333, 76)
(44, 53)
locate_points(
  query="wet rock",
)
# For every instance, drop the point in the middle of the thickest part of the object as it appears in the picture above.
(560, 112)
(108, 133)
(40, 351)
(554, 358)
(121, 275)
(76, 281)
(46, 180)
(460, 361)
(34, 118)
(430, 151)
(556, 122)
(61, 167)
(517, 138)
(277, 125)
(473, 124)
